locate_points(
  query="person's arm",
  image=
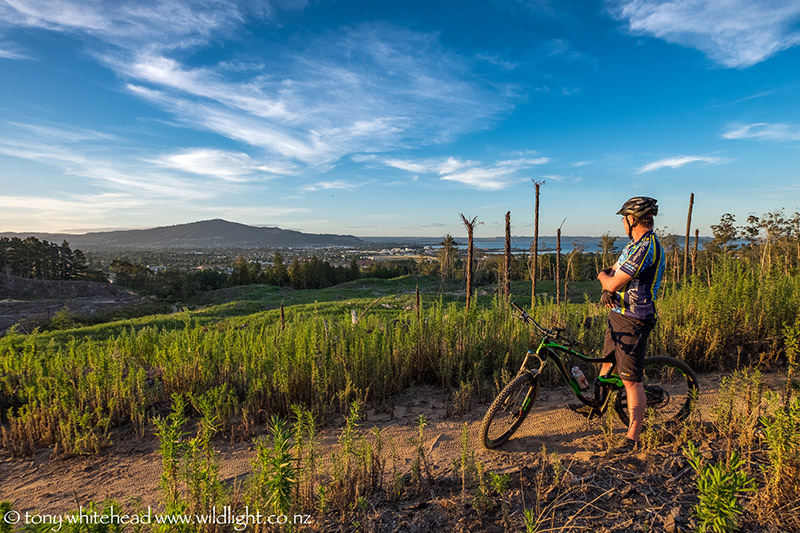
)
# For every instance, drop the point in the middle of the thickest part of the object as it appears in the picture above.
(613, 279)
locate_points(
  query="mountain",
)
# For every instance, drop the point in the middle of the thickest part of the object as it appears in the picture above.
(215, 233)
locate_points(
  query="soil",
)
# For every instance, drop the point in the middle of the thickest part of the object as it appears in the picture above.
(29, 303)
(650, 490)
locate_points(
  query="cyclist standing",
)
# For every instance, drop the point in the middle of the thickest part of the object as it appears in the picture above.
(630, 289)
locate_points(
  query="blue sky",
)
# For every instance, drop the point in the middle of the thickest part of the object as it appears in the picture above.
(391, 118)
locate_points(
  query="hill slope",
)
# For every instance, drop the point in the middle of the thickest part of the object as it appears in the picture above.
(215, 233)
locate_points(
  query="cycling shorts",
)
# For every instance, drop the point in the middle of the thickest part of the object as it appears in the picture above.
(626, 337)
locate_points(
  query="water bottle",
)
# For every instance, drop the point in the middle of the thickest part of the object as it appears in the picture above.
(577, 373)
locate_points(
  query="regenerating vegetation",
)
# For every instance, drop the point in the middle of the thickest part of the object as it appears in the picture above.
(236, 371)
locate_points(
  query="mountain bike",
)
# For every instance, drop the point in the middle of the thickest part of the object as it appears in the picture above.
(670, 386)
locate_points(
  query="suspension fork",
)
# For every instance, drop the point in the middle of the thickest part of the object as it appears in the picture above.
(524, 366)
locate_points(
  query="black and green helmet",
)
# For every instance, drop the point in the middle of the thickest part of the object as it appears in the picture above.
(640, 207)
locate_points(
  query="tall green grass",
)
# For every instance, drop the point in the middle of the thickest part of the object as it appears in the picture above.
(737, 318)
(69, 390)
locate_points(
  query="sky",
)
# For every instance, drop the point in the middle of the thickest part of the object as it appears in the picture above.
(393, 118)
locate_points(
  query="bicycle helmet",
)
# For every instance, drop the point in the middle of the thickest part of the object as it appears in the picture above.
(640, 207)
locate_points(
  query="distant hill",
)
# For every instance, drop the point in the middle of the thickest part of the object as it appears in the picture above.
(215, 233)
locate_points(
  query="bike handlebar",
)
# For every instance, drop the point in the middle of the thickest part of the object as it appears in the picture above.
(529, 320)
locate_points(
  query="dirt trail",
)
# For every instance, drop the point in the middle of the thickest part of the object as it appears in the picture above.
(31, 302)
(130, 470)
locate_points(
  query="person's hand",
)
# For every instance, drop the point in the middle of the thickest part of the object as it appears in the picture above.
(607, 299)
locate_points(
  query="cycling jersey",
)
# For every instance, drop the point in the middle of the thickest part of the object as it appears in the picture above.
(644, 261)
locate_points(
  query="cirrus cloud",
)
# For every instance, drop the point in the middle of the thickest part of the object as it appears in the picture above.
(680, 161)
(763, 131)
(733, 33)
(476, 175)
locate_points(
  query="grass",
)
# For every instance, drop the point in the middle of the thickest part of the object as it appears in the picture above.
(730, 492)
(238, 363)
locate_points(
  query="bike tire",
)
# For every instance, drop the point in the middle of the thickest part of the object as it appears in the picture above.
(509, 409)
(671, 387)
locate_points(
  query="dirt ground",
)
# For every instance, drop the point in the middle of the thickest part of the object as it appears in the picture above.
(30, 303)
(129, 471)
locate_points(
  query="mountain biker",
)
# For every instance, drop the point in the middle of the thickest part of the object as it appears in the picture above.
(630, 289)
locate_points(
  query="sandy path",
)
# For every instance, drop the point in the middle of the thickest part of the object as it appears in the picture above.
(129, 472)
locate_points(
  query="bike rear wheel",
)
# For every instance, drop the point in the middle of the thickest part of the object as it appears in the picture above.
(671, 389)
(509, 410)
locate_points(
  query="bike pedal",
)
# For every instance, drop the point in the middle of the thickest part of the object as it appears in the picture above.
(584, 410)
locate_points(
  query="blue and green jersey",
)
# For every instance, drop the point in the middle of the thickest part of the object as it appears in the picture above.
(644, 261)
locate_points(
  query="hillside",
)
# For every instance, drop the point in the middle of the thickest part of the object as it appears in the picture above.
(215, 233)
(30, 303)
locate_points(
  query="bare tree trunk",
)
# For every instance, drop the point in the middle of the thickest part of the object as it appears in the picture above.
(694, 253)
(688, 228)
(558, 265)
(535, 244)
(676, 272)
(569, 272)
(417, 304)
(507, 262)
(470, 224)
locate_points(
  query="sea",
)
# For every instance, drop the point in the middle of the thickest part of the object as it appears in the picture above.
(518, 244)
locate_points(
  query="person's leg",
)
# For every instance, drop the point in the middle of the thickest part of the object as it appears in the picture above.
(637, 404)
(630, 336)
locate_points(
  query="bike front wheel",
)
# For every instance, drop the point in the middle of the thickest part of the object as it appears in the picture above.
(671, 389)
(509, 410)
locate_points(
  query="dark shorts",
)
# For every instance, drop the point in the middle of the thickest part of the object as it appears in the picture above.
(627, 338)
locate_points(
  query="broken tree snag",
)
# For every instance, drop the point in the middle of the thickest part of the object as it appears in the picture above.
(558, 266)
(535, 244)
(470, 223)
(688, 229)
(507, 262)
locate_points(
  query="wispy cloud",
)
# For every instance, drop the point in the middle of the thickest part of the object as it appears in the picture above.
(88, 154)
(477, 175)
(371, 88)
(763, 131)
(330, 185)
(11, 51)
(227, 166)
(165, 23)
(679, 161)
(489, 179)
(47, 213)
(733, 33)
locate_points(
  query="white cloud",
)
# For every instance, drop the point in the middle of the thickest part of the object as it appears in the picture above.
(427, 166)
(677, 162)
(227, 166)
(733, 33)
(329, 185)
(763, 131)
(11, 51)
(169, 23)
(365, 89)
(475, 174)
(490, 179)
(76, 204)
(25, 212)
(86, 154)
